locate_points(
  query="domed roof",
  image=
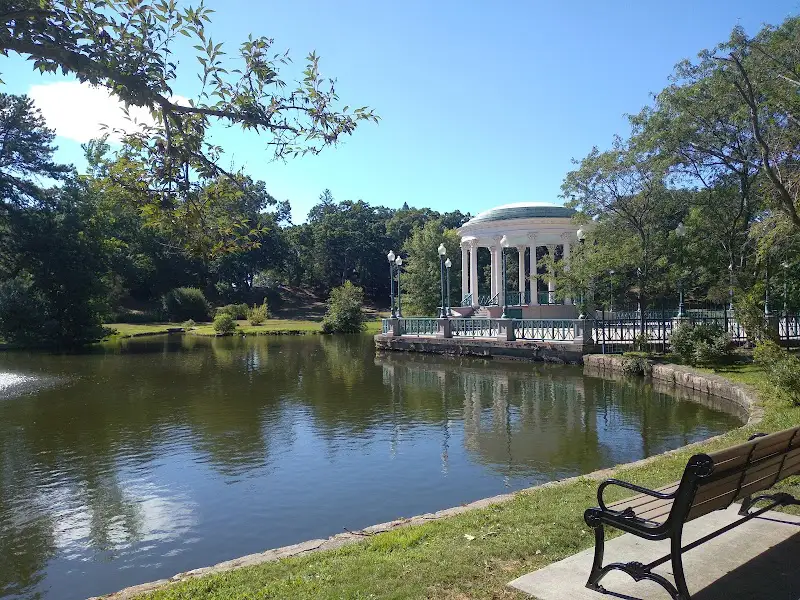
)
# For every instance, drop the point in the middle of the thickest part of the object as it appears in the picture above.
(522, 210)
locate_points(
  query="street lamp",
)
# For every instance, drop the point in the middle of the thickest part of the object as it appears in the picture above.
(442, 252)
(680, 231)
(767, 311)
(730, 286)
(399, 263)
(447, 264)
(391, 258)
(611, 279)
(785, 266)
(503, 245)
(581, 235)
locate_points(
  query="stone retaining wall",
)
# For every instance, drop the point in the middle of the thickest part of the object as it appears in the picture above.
(565, 353)
(684, 377)
(672, 375)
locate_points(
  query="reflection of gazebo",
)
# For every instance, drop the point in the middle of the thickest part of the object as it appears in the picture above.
(527, 227)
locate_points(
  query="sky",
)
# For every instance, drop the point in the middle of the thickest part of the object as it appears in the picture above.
(481, 103)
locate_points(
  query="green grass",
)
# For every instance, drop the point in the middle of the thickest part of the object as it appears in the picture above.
(436, 560)
(270, 327)
(124, 330)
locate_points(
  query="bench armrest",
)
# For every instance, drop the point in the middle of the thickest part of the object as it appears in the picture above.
(630, 486)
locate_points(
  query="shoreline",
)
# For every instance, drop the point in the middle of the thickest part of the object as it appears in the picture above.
(685, 378)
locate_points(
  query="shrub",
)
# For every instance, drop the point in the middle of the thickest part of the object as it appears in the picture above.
(258, 314)
(344, 310)
(224, 323)
(237, 311)
(783, 369)
(701, 344)
(185, 303)
(636, 365)
(189, 324)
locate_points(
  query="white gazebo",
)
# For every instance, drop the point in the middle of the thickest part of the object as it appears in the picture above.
(526, 226)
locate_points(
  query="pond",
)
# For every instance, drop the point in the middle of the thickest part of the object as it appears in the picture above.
(164, 454)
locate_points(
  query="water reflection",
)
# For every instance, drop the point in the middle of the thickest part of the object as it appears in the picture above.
(155, 456)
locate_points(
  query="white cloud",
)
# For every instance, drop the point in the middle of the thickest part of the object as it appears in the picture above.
(77, 110)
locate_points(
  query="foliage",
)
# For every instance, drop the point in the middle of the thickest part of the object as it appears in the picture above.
(421, 282)
(783, 368)
(701, 343)
(185, 303)
(258, 314)
(224, 323)
(237, 311)
(188, 324)
(344, 310)
(636, 365)
(128, 48)
(26, 151)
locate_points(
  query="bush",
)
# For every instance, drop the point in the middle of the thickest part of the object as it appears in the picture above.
(258, 314)
(636, 365)
(783, 369)
(189, 324)
(136, 317)
(224, 323)
(344, 310)
(181, 304)
(237, 311)
(701, 344)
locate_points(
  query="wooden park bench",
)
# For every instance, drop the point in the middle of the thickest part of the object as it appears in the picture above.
(710, 482)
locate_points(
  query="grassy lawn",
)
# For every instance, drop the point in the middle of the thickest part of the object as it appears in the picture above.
(270, 327)
(124, 330)
(472, 555)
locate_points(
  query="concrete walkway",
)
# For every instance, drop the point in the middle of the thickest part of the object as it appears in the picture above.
(757, 560)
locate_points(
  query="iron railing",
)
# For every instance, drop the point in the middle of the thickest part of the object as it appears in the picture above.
(473, 327)
(418, 326)
(488, 300)
(467, 300)
(556, 330)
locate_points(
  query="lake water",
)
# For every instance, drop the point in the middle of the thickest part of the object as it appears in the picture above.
(165, 454)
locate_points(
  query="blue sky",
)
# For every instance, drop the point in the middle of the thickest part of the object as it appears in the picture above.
(481, 103)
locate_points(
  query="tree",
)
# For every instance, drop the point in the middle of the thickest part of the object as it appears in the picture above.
(763, 71)
(26, 151)
(626, 184)
(127, 46)
(56, 289)
(344, 310)
(421, 280)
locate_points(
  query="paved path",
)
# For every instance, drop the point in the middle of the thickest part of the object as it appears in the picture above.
(758, 560)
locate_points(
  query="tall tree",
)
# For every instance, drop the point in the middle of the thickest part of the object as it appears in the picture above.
(128, 47)
(421, 280)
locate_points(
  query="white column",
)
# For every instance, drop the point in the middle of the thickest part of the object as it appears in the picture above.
(473, 271)
(493, 287)
(521, 263)
(532, 268)
(551, 283)
(565, 258)
(464, 271)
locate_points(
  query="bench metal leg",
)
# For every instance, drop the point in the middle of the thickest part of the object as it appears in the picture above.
(597, 564)
(677, 567)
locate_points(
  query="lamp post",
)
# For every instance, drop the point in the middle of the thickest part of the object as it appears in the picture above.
(503, 246)
(447, 264)
(785, 266)
(611, 301)
(767, 311)
(398, 263)
(581, 235)
(391, 258)
(442, 253)
(680, 231)
(730, 286)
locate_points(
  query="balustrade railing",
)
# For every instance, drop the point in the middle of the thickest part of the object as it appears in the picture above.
(554, 330)
(418, 326)
(514, 298)
(488, 300)
(473, 328)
